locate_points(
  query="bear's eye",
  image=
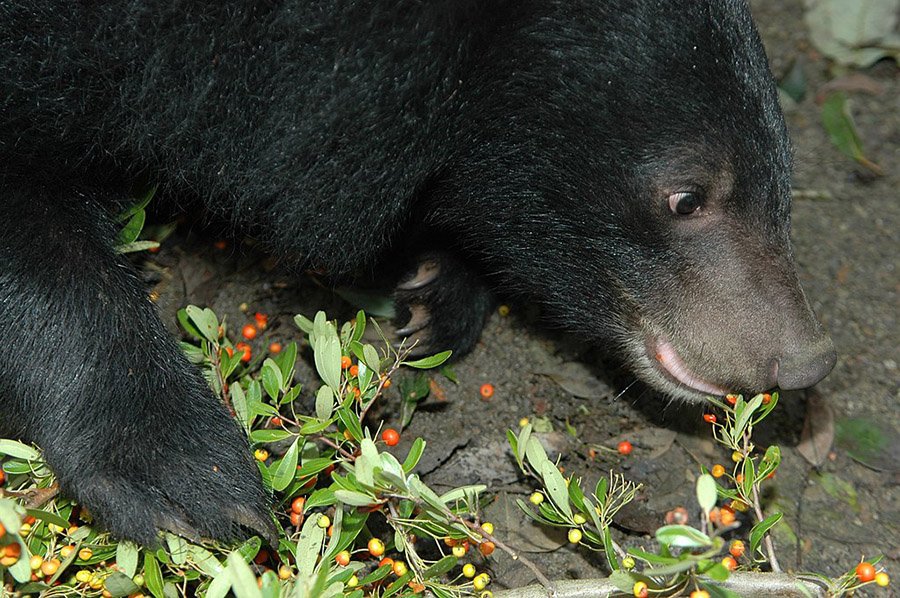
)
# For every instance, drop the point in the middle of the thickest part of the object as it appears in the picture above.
(684, 203)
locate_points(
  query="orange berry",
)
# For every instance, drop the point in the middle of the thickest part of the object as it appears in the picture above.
(343, 558)
(220, 245)
(246, 351)
(729, 563)
(486, 548)
(677, 516)
(85, 554)
(726, 515)
(709, 418)
(715, 515)
(486, 390)
(717, 471)
(699, 594)
(736, 549)
(416, 587)
(262, 320)
(346, 362)
(354, 370)
(865, 572)
(275, 348)
(376, 547)
(277, 421)
(261, 557)
(386, 383)
(356, 392)
(386, 561)
(624, 447)
(29, 519)
(2, 530)
(50, 567)
(731, 399)
(296, 519)
(249, 332)
(766, 399)
(390, 436)
(298, 503)
(229, 351)
(12, 550)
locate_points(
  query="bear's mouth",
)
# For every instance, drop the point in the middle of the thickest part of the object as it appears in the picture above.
(670, 364)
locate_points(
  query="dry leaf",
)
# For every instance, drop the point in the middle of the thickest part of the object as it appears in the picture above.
(818, 430)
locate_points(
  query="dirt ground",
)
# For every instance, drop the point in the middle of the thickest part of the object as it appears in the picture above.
(846, 231)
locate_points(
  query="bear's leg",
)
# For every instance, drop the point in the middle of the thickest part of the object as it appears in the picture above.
(442, 303)
(89, 373)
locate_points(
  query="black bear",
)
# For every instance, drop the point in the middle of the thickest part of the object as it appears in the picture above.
(624, 163)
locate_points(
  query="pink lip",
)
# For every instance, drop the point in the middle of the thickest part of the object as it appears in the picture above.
(675, 367)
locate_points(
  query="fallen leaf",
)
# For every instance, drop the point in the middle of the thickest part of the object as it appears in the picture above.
(870, 443)
(854, 82)
(577, 379)
(818, 430)
(854, 32)
(841, 130)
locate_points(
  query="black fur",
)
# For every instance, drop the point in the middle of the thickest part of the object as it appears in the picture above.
(535, 145)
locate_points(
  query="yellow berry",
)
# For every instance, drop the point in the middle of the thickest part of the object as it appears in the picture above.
(96, 582)
(503, 310)
(323, 521)
(523, 422)
(486, 594)
(36, 562)
(737, 457)
(50, 567)
(261, 454)
(399, 568)
(85, 554)
(138, 580)
(640, 589)
(481, 581)
(24, 529)
(536, 498)
(882, 579)
(469, 570)
(575, 535)
(284, 572)
(83, 576)
(56, 529)
(353, 582)
(579, 519)
(488, 527)
(459, 551)
(628, 563)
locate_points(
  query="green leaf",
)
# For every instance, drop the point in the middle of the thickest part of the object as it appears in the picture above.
(303, 323)
(365, 464)
(718, 572)
(286, 468)
(220, 585)
(127, 558)
(759, 530)
(360, 327)
(327, 349)
(188, 326)
(243, 581)
(272, 379)
(308, 547)
(313, 466)
(322, 497)
(441, 567)
(429, 362)
(132, 228)
(770, 461)
(649, 557)
(136, 246)
(555, 485)
(266, 436)
(743, 413)
(18, 450)
(120, 584)
(534, 452)
(205, 322)
(371, 359)
(418, 489)
(152, 575)
(286, 360)
(204, 560)
(415, 453)
(48, 517)
(139, 205)
(600, 491)
(749, 472)
(682, 536)
(324, 402)
(706, 492)
(462, 493)
(841, 129)
(354, 499)
(350, 422)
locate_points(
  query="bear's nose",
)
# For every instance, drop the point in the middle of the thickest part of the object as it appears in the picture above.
(807, 365)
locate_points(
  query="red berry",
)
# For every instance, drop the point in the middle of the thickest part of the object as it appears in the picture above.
(342, 558)
(354, 370)
(767, 398)
(246, 351)
(220, 245)
(249, 332)
(486, 390)
(624, 448)
(731, 399)
(277, 422)
(275, 348)
(486, 548)
(346, 362)
(390, 436)
(865, 572)
(709, 418)
(296, 519)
